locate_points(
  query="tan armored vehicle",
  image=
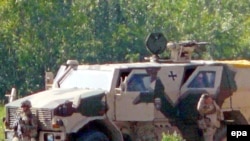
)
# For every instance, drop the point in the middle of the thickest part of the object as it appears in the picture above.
(138, 101)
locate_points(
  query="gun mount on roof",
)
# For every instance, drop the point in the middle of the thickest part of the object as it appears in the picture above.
(182, 51)
(156, 43)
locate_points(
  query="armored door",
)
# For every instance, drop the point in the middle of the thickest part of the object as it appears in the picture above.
(204, 79)
(135, 102)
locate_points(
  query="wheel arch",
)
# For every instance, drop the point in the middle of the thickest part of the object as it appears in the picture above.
(233, 117)
(100, 124)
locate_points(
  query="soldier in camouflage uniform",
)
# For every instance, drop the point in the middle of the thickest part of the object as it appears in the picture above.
(210, 116)
(26, 127)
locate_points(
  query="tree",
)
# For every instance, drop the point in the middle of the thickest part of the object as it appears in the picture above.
(37, 36)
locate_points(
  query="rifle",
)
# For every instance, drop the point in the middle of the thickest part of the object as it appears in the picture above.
(18, 126)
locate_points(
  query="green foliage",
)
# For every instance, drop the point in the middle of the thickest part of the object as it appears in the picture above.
(39, 35)
(2, 113)
(174, 137)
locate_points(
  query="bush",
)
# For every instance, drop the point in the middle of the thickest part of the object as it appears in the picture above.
(173, 137)
(2, 113)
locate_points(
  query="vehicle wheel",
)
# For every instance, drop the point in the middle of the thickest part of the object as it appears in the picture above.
(92, 136)
(126, 137)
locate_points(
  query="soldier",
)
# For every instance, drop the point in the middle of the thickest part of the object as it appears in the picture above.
(136, 84)
(26, 125)
(210, 116)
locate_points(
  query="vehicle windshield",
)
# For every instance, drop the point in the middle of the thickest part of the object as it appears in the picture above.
(91, 79)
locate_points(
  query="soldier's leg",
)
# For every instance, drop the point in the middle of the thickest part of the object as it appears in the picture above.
(15, 139)
(25, 139)
(209, 134)
(208, 137)
(32, 139)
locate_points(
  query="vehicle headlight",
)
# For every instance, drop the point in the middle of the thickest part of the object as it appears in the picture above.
(9, 134)
(48, 137)
(57, 123)
(64, 109)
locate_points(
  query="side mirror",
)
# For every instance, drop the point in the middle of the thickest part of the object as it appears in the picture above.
(12, 96)
(49, 78)
(122, 88)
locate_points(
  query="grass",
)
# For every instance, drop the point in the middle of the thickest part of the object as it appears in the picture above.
(2, 114)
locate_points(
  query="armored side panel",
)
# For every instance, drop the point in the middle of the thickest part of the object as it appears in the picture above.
(238, 101)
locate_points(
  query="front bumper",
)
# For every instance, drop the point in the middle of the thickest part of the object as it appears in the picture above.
(43, 136)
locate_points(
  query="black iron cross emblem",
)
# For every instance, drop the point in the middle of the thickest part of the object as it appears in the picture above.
(172, 75)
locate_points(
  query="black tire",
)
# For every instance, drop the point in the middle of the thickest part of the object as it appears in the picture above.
(126, 137)
(92, 136)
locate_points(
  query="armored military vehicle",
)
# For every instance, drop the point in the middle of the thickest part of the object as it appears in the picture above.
(138, 101)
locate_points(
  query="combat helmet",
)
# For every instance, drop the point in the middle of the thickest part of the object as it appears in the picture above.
(26, 103)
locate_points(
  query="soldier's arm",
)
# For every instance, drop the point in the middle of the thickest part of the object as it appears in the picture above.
(200, 106)
(34, 122)
(34, 127)
(218, 110)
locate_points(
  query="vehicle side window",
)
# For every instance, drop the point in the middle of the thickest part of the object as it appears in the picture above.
(139, 82)
(204, 79)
